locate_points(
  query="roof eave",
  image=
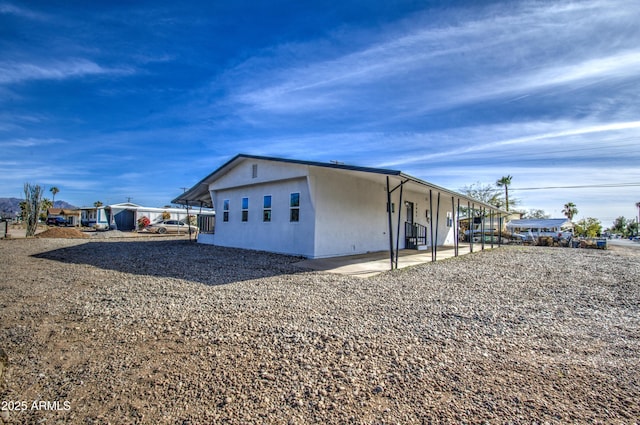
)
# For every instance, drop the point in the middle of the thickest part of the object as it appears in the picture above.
(454, 193)
(196, 191)
(200, 190)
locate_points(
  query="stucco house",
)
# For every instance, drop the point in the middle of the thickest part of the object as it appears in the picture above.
(317, 210)
(557, 228)
(125, 216)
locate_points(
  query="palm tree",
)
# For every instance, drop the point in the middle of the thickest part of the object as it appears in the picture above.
(54, 190)
(570, 210)
(505, 181)
(45, 204)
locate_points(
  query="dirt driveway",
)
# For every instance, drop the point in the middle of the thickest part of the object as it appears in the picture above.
(164, 331)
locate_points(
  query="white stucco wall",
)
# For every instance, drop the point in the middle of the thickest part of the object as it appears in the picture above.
(267, 172)
(421, 204)
(351, 216)
(342, 212)
(280, 235)
(445, 233)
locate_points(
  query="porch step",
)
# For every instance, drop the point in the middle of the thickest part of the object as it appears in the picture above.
(422, 247)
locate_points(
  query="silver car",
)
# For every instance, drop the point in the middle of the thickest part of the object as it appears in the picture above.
(171, 226)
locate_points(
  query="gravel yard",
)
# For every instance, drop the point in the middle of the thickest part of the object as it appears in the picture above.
(172, 332)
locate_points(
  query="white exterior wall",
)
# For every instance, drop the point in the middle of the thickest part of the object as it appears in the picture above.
(267, 172)
(421, 204)
(101, 219)
(446, 235)
(351, 216)
(342, 212)
(205, 238)
(280, 234)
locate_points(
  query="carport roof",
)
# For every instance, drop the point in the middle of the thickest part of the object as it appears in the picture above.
(540, 223)
(199, 193)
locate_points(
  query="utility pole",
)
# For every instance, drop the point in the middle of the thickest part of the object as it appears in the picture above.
(184, 189)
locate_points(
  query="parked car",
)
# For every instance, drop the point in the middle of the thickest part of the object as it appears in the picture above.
(171, 226)
(56, 221)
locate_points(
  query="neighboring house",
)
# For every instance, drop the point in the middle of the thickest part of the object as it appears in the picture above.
(125, 216)
(72, 217)
(316, 210)
(95, 217)
(557, 228)
(490, 224)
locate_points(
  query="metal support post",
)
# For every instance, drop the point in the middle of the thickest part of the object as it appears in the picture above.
(398, 231)
(390, 222)
(431, 223)
(435, 245)
(471, 212)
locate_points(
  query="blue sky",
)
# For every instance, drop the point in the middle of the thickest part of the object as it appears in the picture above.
(116, 100)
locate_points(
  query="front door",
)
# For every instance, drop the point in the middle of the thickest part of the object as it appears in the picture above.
(409, 212)
(409, 229)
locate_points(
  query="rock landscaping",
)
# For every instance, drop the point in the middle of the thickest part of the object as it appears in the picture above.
(166, 331)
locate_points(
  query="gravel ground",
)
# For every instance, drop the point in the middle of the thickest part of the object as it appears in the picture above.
(172, 332)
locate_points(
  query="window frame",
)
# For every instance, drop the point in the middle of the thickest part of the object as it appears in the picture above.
(266, 210)
(225, 210)
(245, 209)
(294, 207)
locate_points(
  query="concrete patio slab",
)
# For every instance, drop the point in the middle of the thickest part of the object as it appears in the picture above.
(371, 264)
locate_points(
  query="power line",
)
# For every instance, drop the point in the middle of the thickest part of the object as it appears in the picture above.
(586, 186)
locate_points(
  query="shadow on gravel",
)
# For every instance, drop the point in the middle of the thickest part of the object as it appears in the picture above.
(207, 264)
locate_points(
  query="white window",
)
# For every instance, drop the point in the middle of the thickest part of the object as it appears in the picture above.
(245, 209)
(294, 207)
(266, 209)
(225, 210)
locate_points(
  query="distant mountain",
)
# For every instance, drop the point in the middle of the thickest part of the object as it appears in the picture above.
(64, 205)
(10, 207)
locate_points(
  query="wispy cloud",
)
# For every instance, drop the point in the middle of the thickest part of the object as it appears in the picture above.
(564, 77)
(495, 54)
(11, 9)
(40, 172)
(29, 142)
(487, 138)
(13, 72)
